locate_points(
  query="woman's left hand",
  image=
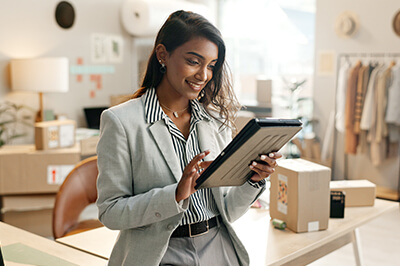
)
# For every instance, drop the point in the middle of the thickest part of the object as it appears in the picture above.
(265, 167)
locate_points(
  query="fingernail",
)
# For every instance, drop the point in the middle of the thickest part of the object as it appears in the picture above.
(271, 155)
(254, 164)
(251, 167)
(263, 157)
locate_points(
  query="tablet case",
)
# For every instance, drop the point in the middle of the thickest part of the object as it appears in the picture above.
(259, 136)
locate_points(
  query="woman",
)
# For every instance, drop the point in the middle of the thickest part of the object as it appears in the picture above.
(153, 148)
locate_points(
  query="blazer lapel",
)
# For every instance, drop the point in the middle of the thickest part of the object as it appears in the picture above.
(163, 139)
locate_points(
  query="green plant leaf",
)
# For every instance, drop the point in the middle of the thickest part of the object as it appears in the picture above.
(17, 136)
(6, 122)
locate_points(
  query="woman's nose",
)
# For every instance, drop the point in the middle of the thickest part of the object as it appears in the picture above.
(202, 74)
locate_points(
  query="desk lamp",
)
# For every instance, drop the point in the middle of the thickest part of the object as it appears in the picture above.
(40, 75)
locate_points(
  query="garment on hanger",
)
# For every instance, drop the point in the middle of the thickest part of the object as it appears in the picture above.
(379, 132)
(393, 110)
(341, 95)
(362, 83)
(367, 115)
(367, 109)
(351, 138)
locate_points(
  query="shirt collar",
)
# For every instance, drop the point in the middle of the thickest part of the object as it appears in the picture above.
(154, 111)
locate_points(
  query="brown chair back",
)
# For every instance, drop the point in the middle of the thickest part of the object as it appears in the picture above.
(75, 194)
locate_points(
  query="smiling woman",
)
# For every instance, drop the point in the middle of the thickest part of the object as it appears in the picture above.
(154, 147)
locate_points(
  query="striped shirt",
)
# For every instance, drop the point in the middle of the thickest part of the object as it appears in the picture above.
(202, 205)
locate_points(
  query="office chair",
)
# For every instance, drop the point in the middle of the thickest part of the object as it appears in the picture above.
(76, 192)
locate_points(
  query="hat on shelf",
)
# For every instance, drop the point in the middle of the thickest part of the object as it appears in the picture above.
(346, 24)
(396, 23)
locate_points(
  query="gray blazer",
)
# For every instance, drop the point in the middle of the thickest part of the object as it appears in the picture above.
(138, 174)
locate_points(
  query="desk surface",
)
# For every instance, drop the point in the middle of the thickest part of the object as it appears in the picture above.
(11, 235)
(266, 245)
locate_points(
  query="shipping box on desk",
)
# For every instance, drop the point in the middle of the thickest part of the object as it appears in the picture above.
(358, 192)
(54, 134)
(26, 170)
(300, 196)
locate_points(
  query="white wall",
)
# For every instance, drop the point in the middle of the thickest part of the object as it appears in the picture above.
(29, 29)
(375, 35)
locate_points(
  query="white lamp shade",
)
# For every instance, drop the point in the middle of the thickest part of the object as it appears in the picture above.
(40, 74)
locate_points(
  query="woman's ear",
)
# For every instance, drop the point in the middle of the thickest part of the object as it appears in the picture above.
(161, 53)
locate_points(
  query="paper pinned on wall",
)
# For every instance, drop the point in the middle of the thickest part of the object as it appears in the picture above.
(115, 49)
(98, 52)
(106, 48)
(326, 63)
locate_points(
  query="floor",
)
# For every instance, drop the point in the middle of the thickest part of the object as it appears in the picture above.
(380, 243)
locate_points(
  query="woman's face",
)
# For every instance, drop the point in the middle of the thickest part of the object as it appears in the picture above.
(190, 67)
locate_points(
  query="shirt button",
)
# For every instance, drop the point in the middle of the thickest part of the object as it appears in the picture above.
(157, 214)
(170, 227)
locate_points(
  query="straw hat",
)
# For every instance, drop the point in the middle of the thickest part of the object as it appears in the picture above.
(346, 24)
(396, 23)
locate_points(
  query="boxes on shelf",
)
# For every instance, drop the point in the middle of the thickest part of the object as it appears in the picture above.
(54, 134)
(26, 170)
(300, 195)
(358, 192)
(89, 145)
(88, 139)
(32, 213)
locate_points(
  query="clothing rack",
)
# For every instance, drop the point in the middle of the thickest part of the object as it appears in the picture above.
(348, 56)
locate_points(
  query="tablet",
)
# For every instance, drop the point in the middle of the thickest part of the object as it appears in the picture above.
(259, 136)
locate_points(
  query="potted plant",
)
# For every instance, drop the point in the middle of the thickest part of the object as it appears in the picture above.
(12, 116)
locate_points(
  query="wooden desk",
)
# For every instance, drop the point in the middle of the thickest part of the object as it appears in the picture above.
(11, 235)
(265, 244)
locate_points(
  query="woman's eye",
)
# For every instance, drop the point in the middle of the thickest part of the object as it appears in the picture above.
(212, 67)
(192, 62)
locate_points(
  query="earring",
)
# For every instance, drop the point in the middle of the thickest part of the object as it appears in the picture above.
(163, 69)
(201, 94)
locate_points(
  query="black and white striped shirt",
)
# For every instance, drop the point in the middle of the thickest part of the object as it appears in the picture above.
(201, 204)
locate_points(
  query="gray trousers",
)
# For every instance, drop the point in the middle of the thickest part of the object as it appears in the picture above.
(212, 249)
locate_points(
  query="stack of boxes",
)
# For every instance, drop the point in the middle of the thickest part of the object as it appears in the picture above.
(300, 194)
(30, 175)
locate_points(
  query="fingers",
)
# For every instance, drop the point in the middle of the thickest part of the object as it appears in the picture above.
(263, 170)
(266, 166)
(271, 158)
(187, 182)
(196, 161)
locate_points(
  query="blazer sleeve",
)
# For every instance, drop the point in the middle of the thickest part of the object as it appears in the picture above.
(118, 207)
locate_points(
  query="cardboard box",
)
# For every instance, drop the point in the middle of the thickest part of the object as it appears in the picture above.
(358, 192)
(264, 92)
(300, 196)
(89, 145)
(26, 170)
(55, 134)
(30, 212)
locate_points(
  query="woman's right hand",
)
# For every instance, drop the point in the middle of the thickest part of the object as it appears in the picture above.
(190, 174)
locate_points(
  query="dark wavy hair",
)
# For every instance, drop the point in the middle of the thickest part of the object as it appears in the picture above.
(180, 27)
